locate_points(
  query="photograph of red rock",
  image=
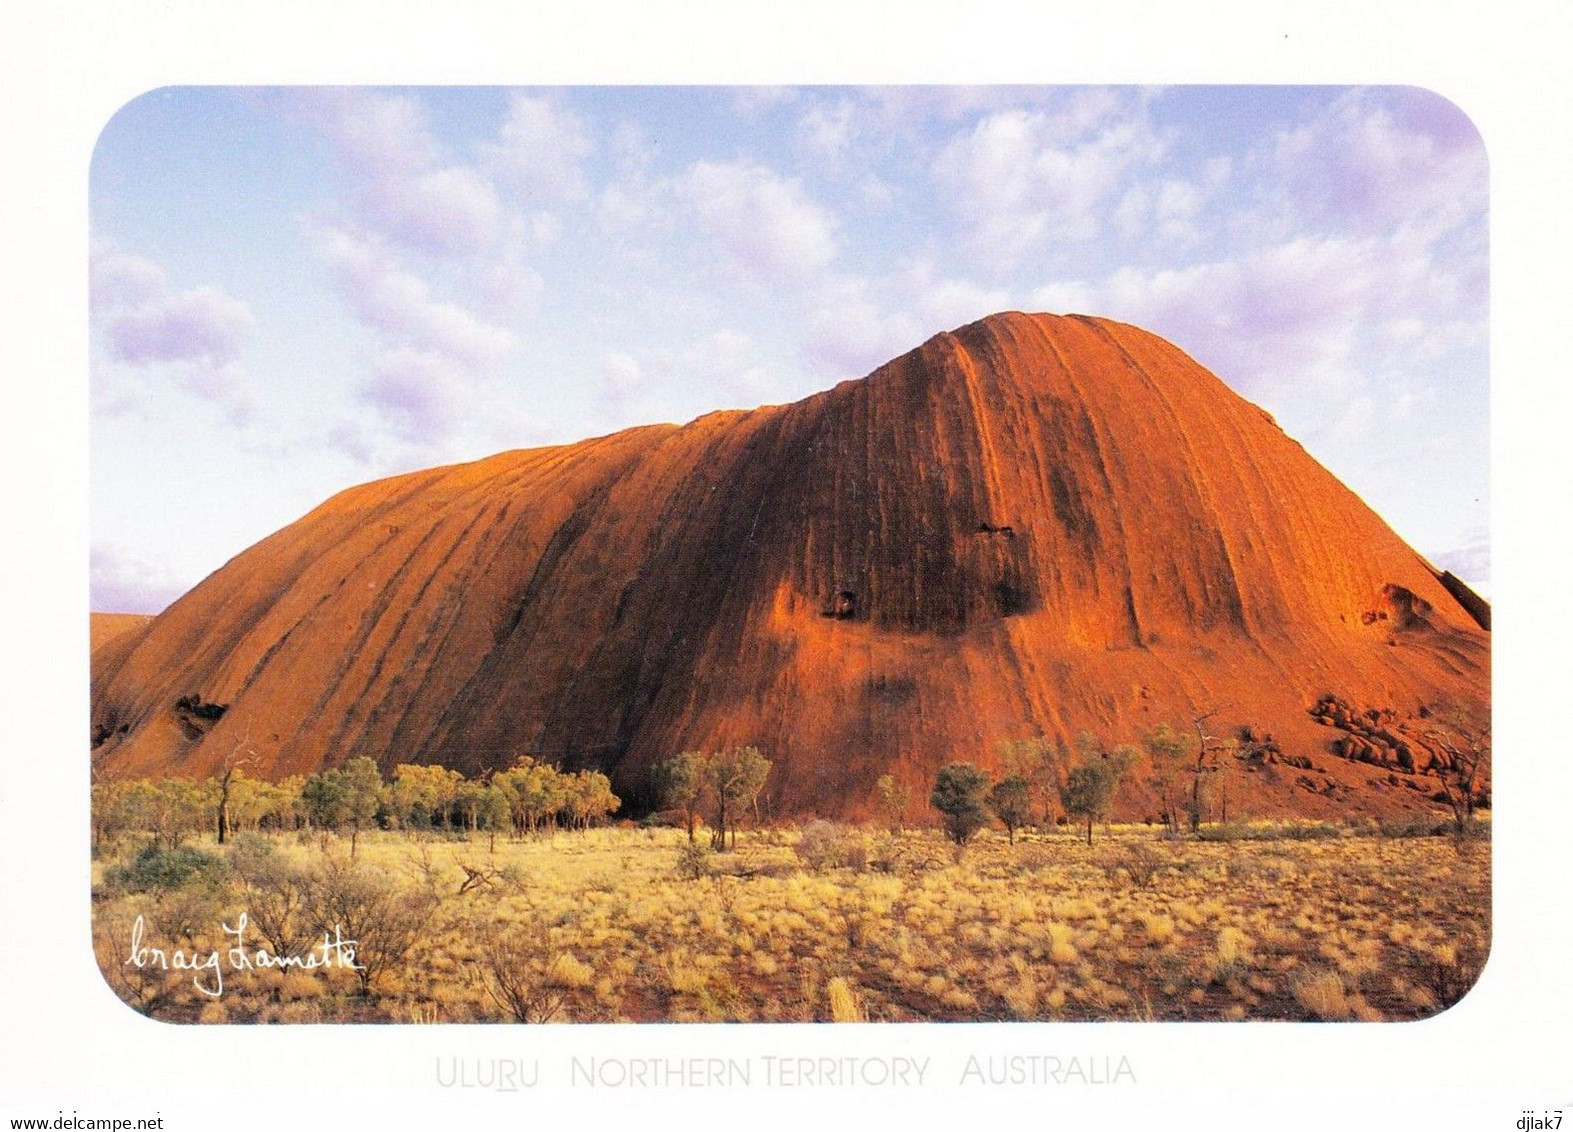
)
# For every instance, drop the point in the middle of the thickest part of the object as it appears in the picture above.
(954, 661)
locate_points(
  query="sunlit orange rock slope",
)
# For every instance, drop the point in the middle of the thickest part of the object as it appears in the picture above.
(1034, 525)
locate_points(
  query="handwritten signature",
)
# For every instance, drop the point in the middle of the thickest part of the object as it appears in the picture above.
(208, 969)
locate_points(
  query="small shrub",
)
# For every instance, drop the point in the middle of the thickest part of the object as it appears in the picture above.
(1035, 855)
(1309, 831)
(887, 855)
(522, 976)
(1139, 863)
(370, 907)
(1448, 971)
(1415, 825)
(1279, 831)
(695, 859)
(276, 893)
(825, 845)
(157, 868)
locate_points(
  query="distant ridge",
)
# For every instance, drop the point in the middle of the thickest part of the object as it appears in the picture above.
(105, 627)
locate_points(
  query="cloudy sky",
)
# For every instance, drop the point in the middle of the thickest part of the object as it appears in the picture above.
(296, 290)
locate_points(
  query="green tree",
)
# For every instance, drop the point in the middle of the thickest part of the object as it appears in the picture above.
(682, 786)
(250, 800)
(493, 812)
(512, 785)
(1039, 763)
(423, 793)
(362, 783)
(588, 797)
(467, 800)
(893, 800)
(172, 809)
(1169, 751)
(324, 796)
(115, 810)
(958, 794)
(1090, 785)
(734, 778)
(289, 807)
(1011, 801)
(534, 790)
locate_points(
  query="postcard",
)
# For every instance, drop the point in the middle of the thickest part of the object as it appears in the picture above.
(741, 575)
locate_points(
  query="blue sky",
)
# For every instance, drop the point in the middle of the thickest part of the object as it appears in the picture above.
(295, 290)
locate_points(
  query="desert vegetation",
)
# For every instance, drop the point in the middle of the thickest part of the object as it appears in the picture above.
(512, 900)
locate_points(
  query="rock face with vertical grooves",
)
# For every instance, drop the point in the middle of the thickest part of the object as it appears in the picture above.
(1033, 525)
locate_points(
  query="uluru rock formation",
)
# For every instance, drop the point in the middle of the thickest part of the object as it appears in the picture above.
(1032, 526)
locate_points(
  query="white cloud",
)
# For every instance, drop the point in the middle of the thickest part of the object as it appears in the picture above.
(725, 368)
(1289, 314)
(755, 101)
(447, 211)
(407, 191)
(876, 192)
(850, 329)
(856, 323)
(917, 110)
(418, 392)
(942, 303)
(1024, 180)
(541, 149)
(433, 256)
(353, 437)
(1176, 209)
(621, 373)
(827, 130)
(377, 135)
(432, 358)
(120, 282)
(1357, 421)
(1385, 159)
(1130, 216)
(400, 305)
(195, 337)
(545, 228)
(1470, 560)
(1068, 296)
(144, 323)
(729, 361)
(122, 583)
(621, 210)
(1339, 336)
(201, 325)
(760, 222)
(508, 288)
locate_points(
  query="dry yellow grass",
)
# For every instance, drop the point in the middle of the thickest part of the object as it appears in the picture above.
(600, 926)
